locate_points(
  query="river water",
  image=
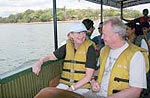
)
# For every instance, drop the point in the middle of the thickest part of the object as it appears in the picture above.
(23, 44)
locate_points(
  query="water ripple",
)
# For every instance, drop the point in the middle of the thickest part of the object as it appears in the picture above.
(2, 59)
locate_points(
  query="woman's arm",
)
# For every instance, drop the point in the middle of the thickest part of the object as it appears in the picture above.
(36, 68)
(58, 54)
(84, 80)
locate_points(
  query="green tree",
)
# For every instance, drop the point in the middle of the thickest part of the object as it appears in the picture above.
(45, 17)
(64, 14)
(12, 19)
(60, 15)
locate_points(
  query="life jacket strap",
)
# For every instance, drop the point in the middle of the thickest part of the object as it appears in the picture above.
(74, 71)
(74, 61)
(121, 80)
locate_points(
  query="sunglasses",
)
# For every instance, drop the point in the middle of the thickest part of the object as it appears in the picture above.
(144, 28)
(99, 27)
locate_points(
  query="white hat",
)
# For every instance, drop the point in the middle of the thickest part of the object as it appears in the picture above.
(77, 27)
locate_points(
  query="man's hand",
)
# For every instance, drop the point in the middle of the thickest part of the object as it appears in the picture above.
(95, 86)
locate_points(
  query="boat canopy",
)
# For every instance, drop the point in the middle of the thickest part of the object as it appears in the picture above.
(120, 3)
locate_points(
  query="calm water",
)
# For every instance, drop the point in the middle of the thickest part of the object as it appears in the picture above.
(23, 44)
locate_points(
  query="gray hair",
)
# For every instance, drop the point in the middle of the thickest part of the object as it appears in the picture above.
(117, 26)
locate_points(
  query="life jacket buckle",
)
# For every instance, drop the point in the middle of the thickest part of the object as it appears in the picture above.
(72, 71)
(73, 61)
(71, 80)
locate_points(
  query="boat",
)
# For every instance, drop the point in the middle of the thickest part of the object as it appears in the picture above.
(22, 83)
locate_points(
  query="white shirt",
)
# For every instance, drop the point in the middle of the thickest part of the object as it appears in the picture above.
(137, 69)
(144, 45)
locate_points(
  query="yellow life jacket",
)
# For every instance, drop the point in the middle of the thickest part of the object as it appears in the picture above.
(119, 77)
(74, 63)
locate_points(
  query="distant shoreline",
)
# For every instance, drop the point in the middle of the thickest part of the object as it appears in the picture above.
(69, 21)
(42, 22)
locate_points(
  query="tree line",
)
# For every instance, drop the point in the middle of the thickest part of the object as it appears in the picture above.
(64, 14)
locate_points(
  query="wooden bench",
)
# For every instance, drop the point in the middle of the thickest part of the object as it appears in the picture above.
(52, 92)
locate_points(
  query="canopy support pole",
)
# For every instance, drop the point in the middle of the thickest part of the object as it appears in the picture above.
(121, 10)
(55, 24)
(101, 11)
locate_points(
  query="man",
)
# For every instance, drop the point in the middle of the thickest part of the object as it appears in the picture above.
(140, 20)
(98, 42)
(121, 64)
(97, 39)
(89, 24)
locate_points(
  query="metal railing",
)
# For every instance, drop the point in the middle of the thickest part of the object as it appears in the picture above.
(24, 84)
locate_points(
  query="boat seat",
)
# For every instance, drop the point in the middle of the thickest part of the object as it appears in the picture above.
(52, 92)
(54, 82)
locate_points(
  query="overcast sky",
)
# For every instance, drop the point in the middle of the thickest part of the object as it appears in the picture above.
(8, 7)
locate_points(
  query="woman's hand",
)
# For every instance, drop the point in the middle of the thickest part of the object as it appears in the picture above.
(71, 88)
(36, 68)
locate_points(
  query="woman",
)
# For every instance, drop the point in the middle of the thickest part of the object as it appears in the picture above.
(139, 40)
(79, 60)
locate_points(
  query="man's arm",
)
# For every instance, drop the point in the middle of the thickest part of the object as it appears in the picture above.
(126, 20)
(132, 92)
(136, 20)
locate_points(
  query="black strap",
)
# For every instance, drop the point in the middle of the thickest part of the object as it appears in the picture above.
(115, 91)
(94, 78)
(121, 80)
(69, 80)
(73, 61)
(74, 71)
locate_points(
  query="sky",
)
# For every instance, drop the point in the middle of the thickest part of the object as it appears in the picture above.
(8, 7)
